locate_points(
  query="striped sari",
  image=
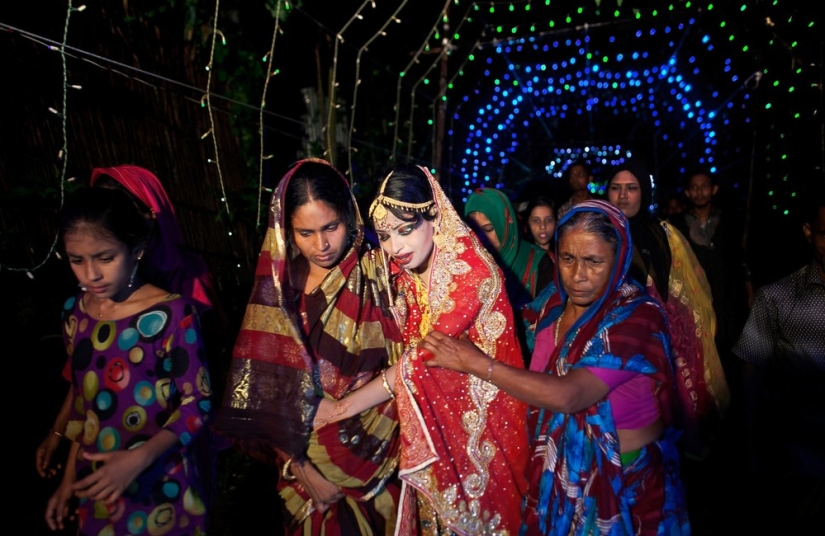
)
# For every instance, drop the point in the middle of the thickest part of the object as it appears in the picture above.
(293, 349)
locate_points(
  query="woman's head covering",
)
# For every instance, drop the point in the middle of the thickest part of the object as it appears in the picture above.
(519, 258)
(448, 227)
(621, 262)
(166, 261)
(638, 170)
(651, 240)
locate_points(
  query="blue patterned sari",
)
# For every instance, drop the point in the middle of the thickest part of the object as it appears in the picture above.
(577, 481)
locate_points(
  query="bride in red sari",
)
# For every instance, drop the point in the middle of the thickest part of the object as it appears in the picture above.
(463, 441)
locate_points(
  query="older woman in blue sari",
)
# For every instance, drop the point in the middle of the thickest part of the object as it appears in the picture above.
(600, 387)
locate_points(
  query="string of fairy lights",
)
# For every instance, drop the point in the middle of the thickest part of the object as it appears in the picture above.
(332, 106)
(414, 60)
(487, 148)
(446, 47)
(270, 72)
(518, 93)
(522, 82)
(63, 153)
(207, 102)
(381, 32)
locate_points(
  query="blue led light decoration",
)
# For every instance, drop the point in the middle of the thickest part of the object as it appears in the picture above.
(599, 158)
(534, 87)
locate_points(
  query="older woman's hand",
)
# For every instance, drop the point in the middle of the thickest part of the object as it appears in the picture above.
(455, 354)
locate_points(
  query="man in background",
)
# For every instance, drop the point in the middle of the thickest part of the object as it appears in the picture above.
(783, 348)
(579, 176)
(716, 239)
(674, 204)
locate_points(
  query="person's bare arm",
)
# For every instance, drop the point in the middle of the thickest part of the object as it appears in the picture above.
(322, 492)
(119, 468)
(45, 451)
(368, 396)
(577, 390)
(57, 509)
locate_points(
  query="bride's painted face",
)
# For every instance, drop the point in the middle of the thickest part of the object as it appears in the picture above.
(409, 243)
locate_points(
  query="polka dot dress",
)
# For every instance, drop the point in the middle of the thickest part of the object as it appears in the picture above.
(131, 379)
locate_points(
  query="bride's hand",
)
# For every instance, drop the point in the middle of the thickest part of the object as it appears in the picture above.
(322, 415)
(329, 412)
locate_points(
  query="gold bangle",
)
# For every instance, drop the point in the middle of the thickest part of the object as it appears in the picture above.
(489, 378)
(285, 471)
(387, 384)
(55, 432)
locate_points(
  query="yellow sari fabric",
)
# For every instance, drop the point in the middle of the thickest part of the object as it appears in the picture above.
(693, 327)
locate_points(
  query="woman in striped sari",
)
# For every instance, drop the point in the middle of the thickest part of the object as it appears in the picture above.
(316, 327)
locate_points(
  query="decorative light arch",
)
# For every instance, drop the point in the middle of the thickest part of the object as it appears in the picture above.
(614, 76)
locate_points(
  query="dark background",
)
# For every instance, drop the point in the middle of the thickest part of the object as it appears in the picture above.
(141, 68)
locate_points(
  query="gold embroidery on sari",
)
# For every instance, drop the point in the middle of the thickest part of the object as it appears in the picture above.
(444, 510)
(467, 506)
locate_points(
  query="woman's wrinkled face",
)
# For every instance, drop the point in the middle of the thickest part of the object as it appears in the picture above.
(625, 194)
(320, 234)
(585, 263)
(542, 224)
(483, 227)
(409, 243)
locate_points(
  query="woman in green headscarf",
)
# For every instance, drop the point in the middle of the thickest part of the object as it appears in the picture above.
(527, 267)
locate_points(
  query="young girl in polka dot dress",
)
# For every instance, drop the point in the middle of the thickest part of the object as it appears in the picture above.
(141, 390)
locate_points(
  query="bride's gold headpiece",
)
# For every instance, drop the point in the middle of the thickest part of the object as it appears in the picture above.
(378, 209)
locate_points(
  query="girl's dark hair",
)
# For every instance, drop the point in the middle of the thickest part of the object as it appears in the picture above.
(593, 223)
(409, 184)
(540, 201)
(107, 181)
(314, 181)
(111, 212)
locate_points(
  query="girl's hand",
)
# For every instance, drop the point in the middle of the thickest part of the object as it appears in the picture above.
(57, 509)
(45, 452)
(116, 470)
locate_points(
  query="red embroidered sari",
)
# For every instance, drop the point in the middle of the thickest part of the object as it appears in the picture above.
(464, 442)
